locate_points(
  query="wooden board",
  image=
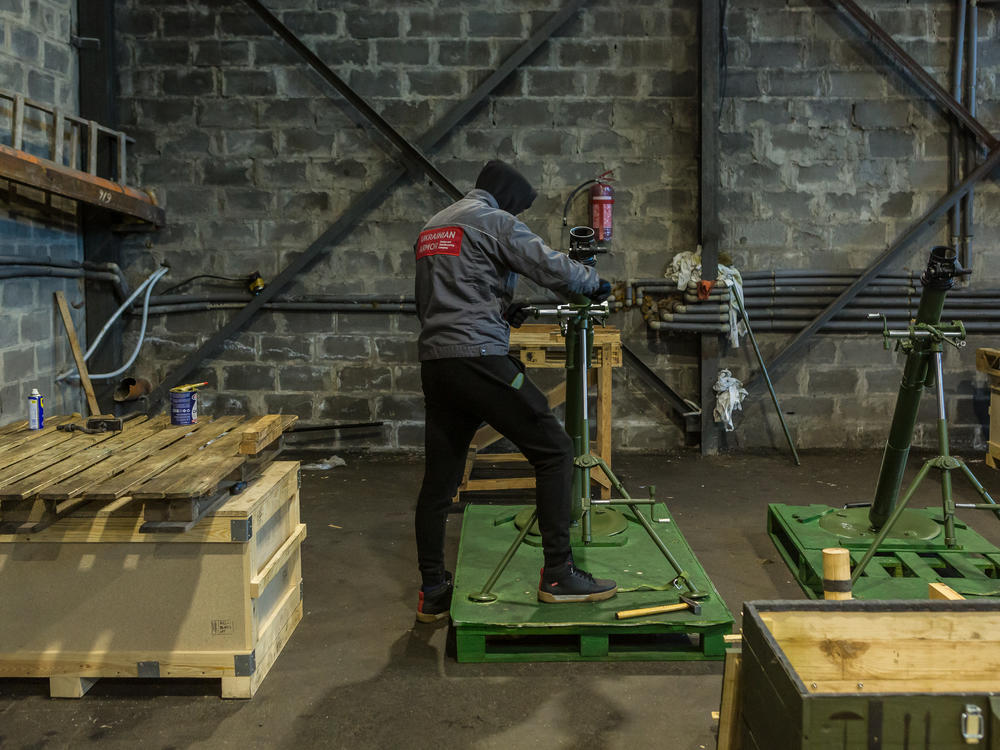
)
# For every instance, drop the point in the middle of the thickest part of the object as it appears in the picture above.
(730, 728)
(32, 461)
(176, 473)
(263, 508)
(116, 464)
(199, 475)
(988, 361)
(915, 651)
(263, 431)
(38, 439)
(14, 427)
(942, 591)
(125, 482)
(80, 461)
(74, 345)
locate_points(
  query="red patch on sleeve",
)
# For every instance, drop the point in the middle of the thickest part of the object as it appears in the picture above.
(440, 241)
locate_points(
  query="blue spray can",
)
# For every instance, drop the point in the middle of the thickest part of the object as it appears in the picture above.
(36, 410)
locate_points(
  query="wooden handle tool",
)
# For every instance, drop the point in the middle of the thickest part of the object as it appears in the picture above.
(684, 603)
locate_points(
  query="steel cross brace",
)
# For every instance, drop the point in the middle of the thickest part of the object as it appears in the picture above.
(408, 154)
(923, 80)
(370, 199)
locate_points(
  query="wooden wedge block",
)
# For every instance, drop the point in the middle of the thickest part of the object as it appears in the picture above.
(263, 431)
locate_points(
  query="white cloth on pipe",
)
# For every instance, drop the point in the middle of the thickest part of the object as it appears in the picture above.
(729, 395)
(685, 270)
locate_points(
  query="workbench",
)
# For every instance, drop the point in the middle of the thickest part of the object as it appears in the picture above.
(543, 346)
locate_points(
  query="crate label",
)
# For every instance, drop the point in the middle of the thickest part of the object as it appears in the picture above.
(222, 627)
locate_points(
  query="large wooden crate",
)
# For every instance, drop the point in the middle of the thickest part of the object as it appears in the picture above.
(870, 674)
(93, 596)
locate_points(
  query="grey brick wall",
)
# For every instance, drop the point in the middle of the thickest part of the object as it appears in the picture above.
(36, 60)
(839, 158)
(826, 157)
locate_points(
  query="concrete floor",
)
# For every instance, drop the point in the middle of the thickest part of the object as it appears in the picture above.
(359, 673)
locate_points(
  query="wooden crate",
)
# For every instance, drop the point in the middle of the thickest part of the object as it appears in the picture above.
(92, 595)
(869, 674)
(988, 361)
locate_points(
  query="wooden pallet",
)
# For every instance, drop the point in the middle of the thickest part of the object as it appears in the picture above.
(517, 628)
(664, 642)
(901, 569)
(179, 473)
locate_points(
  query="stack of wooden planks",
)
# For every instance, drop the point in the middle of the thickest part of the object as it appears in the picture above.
(179, 473)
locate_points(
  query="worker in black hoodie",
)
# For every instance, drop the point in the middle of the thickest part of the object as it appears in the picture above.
(468, 258)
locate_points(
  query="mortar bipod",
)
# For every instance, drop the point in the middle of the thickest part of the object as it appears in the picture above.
(944, 461)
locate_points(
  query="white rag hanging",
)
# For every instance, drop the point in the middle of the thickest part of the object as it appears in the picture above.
(729, 395)
(685, 270)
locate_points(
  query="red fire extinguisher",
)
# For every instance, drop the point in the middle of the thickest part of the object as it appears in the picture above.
(602, 202)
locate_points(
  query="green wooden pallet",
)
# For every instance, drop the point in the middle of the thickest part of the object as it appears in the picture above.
(901, 569)
(517, 628)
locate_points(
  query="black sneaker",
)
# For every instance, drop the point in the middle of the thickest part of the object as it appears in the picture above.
(435, 604)
(567, 583)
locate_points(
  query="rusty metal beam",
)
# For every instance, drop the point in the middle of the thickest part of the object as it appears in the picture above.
(887, 45)
(708, 198)
(911, 235)
(25, 169)
(360, 206)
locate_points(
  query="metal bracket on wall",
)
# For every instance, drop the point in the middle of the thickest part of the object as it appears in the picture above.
(924, 81)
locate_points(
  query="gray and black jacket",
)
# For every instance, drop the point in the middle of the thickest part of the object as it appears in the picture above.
(468, 257)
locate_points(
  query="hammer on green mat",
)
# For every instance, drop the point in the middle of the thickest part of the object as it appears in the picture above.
(684, 603)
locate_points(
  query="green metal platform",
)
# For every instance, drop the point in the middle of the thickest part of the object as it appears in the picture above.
(518, 628)
(902, 567)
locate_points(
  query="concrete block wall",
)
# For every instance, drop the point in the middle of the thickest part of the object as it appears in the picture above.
(36, 60)
(826, 157)
(253, 159)
(829, 157)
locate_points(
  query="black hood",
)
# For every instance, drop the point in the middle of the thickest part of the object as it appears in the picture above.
(513, 192)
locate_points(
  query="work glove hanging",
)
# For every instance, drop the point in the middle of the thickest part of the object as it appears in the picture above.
(602, 292)
(516, 313)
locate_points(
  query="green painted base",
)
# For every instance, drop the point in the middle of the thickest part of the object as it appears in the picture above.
(607, 528)
(905, 563)
(518, 628)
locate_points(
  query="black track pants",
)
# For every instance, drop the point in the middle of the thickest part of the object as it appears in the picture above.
(459, 395)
